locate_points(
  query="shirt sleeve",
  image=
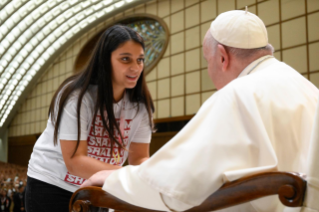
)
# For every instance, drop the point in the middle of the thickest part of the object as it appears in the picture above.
(126, 185)
(68, 129)
(144, 131)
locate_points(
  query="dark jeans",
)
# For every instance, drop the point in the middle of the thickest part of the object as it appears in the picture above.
(44, 197)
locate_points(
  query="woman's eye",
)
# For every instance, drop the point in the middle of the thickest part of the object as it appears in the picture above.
(125, 58)
(141, 60)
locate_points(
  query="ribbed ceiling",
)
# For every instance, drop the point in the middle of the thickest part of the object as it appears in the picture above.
(33, 31)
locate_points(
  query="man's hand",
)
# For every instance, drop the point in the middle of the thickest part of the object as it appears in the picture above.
(98, 178)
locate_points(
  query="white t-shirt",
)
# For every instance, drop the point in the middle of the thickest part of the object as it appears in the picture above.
(47, 164)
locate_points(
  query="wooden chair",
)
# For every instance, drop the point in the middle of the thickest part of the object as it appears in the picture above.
(290, 188)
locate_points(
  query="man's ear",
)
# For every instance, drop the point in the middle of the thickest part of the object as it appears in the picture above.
(224, 57)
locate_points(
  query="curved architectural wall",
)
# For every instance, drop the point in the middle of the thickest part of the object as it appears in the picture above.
(179, 83)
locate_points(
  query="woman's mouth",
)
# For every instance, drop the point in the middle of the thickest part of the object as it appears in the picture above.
(133, 78)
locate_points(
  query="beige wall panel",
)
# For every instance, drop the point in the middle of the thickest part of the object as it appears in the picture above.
(177, 106)
(44, 113)
(314, 57)
(177, 64)
(163, 88)
(55, 83)
(49, 85)
(192, 16)
(44, 101)
(274, 36)
(127, 12)
(252, 9)
(116, 17)
(50, 72)
(192, 60)
(242, 3)
(38, 102)
(62, 69)
(27, 129)
(312, 5)
(177, 22)
(152, 74)
(292, 8)
(225, 5)
(69, 52)
(177, 5)
(44, 87)
(313, 26)
(56, 68)
(296, 58)
(151, 8)
(192, 104)
(206, 83)
(204, 28)
(152, 88)
(193, 82)
(190, 2)
(33, 93)
(34, 103)
(76, 48)
(208, 10)
(177, 43)
(177, 85)
(314, 78)
(163, 110)
(22, 130)
(69, 64)
(168, 50)
(140, 9)
(38, 127)
(167, 21)
(62, 78)
(49, 98)
(268, 11)
(192, 38)
(294, 32)
(38, 89)
(163, 8)
(277, 55)
(163, 68)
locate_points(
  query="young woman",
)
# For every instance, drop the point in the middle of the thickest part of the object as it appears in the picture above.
(97, 119)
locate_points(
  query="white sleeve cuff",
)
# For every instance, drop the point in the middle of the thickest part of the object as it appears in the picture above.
(126, 185)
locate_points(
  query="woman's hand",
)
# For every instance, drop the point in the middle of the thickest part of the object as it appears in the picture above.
(97, 179)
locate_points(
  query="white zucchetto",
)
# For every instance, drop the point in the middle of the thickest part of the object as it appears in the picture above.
(239, 29)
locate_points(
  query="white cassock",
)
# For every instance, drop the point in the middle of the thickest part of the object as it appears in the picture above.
(259, 122)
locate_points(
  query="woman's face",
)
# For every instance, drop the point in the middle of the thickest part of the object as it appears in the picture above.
(127, 65)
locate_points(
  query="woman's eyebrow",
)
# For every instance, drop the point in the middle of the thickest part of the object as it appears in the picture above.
(141, 55)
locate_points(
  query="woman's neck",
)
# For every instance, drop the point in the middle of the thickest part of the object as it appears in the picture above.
(118, 94)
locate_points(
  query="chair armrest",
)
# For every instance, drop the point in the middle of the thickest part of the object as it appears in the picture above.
(290, 188)
(85, 199)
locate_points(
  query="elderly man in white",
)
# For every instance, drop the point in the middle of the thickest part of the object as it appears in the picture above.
(260, 119)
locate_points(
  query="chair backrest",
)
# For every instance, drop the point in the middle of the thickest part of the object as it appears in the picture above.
(311, 202)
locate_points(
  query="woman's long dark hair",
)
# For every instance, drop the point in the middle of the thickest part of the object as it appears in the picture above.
(99, 72)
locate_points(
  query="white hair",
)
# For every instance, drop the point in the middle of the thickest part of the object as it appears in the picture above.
(242, 53)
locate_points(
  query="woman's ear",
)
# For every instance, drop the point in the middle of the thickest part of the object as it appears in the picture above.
(224, 57)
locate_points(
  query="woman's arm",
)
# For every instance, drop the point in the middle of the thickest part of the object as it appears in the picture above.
(80, 164)
(139, 152)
